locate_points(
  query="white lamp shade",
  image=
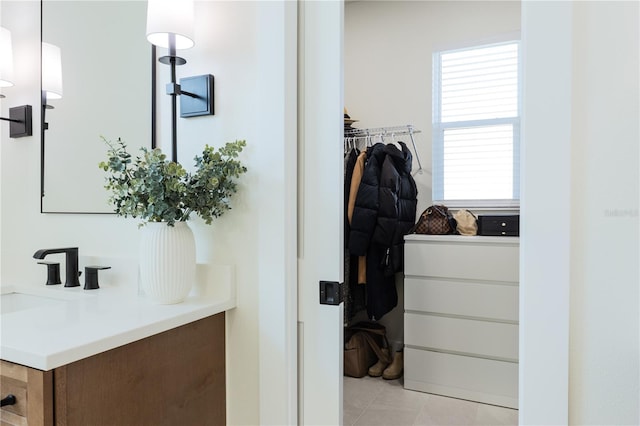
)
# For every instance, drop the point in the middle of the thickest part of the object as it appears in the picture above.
(170, 17)
(51, 71)
(6, 58)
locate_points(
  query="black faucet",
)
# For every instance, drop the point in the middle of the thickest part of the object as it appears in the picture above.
(71, 263)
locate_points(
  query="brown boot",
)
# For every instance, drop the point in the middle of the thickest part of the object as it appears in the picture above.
(376, 369)
(394, 371)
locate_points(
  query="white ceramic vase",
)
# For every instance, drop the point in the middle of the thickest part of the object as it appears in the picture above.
(167, 261)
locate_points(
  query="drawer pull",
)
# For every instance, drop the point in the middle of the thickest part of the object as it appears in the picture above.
(8, 400)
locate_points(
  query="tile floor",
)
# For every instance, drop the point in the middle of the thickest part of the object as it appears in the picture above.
(375, 401)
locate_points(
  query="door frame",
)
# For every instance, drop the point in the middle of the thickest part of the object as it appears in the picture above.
(277, 306)
(545, 245)
(320, 211)
(544, 361)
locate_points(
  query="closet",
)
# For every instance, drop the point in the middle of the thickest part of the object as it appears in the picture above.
(388, 48)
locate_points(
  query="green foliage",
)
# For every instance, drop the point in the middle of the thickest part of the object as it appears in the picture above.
(156, 190)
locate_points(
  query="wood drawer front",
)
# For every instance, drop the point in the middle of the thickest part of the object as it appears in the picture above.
(489, 339)
(476, 379)
(464, 260)
(13, 380)
(466, 298)
(13, 414)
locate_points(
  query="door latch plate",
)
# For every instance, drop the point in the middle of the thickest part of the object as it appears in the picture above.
(330, 292)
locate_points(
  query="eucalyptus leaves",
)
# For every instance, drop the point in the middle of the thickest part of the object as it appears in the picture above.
(157, 190)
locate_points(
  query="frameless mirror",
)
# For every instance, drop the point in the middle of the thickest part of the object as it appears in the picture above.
(107, 68)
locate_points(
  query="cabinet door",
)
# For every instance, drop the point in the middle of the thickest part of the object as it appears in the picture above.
(173, 378)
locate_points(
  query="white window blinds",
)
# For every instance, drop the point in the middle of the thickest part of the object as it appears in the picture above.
(476, 126)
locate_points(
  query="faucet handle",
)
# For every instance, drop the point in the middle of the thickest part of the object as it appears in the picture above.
(53, 272)
(91, 276)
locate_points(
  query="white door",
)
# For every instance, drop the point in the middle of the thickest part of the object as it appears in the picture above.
(320, 214)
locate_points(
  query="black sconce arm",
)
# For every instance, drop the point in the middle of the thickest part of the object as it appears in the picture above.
(175, 89)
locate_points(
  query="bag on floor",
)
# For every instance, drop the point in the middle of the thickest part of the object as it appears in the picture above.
(363, 347)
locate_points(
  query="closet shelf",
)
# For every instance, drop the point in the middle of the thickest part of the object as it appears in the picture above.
(352, 135)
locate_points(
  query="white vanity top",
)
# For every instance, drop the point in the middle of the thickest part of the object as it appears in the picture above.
(72, 323)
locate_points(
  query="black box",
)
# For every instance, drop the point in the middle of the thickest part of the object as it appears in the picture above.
(499, 225)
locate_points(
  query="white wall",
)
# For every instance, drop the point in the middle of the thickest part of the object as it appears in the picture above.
(388, 63)
(241, 44)
(605, 180)
(579, 310)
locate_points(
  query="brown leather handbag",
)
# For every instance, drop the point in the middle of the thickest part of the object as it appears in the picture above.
(435, 220)
(363, 347)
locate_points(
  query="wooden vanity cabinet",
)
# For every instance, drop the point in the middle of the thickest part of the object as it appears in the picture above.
(175, 377)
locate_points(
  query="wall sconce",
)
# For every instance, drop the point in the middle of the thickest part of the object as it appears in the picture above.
(51, 78)
(51, 71)
(20, 122)
(6, 65)
(170, 25)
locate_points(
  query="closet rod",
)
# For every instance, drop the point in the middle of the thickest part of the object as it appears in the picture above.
(381, 131)
(387, 131)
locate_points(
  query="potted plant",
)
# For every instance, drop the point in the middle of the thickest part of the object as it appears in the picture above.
(164, 195)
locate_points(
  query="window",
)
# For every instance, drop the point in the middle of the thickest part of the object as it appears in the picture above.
(476, 126)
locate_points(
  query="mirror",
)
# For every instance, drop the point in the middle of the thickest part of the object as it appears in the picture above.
(107, 69)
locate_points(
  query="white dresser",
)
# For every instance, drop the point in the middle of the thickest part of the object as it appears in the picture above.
(461, 317)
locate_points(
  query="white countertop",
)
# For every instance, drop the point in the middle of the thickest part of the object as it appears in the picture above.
(76, 323)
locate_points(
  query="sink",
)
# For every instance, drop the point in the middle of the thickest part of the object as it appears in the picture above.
(16, 299)
(14, 302)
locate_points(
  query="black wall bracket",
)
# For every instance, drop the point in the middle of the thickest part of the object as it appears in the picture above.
(200, 96)
(21, 123)
(330, 292)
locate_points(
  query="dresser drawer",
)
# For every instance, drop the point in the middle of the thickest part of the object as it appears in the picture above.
(476, 379)
(484, 338)
(466, 298)
(468, 258)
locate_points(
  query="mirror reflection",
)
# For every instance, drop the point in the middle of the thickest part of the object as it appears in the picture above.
(106, 69)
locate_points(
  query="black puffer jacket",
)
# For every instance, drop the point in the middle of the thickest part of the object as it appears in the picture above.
(384, 212)
(397, 205)
(365, 212)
